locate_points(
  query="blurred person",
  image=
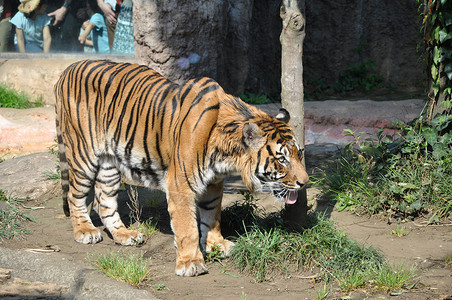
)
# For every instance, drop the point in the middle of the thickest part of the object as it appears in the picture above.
(65, 24)
(123, 42)
(32, 27)
(7, 9)
(88, 46)
(96, 28)
(110, 8)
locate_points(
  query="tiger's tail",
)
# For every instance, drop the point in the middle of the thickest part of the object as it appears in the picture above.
(64, 169)
(63, 161)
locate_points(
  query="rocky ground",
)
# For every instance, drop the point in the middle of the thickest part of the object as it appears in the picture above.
(47, 263)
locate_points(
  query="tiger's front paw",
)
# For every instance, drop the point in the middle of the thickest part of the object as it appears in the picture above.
(127, 237)
(193, 267)
(87, 235)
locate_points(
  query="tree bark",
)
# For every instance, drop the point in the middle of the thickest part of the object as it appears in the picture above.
(292, 94)
(437, 103)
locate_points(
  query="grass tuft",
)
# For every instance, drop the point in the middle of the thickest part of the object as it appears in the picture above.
(264, 251)
(391, 277)
(12, 217)
(9, 98)
(131, 269)
(267, 248)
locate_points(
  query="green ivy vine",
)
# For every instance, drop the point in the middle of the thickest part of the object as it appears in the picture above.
(437, 28)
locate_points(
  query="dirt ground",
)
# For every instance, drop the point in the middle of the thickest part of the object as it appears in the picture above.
(426, 247)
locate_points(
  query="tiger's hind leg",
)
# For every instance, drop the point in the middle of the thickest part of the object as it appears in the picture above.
(108, 181)
(80, 183)
(209, 207)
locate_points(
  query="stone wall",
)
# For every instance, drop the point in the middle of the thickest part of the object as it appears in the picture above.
(346, 33)
(37, 74)
(238, 40)
(35, 77)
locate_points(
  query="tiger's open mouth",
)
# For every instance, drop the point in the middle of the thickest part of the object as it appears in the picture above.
(289, 197)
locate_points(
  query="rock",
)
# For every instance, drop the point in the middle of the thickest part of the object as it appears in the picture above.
(26, 130)
(25, 176)
(19, 287)
(5, 274)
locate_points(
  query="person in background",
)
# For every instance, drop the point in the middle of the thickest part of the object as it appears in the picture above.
(32, 27)
(60, 14)
(65, 24)
(123, 42)
(7, 9)
(96, 28)
(88, 45)
(110, 9)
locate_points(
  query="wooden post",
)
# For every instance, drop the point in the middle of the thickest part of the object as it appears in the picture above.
(292, 37)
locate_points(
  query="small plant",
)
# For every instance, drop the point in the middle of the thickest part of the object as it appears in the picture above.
(53, 149)
(353, 279)
(391, 277)
(131, 269)
(159, 286)
(214, 254)
(241, 215)
(321, 292)
(255, 99)
(12, 99)
(54, 175)
(134, 205)
(399, 231)
(243, 296)
(12, 218)
(448, 260)
(148, 227)
(358, 77)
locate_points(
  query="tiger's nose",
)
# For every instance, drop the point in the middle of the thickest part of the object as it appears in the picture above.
(301, 185)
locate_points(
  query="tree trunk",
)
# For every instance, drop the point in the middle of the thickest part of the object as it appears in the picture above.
(439, 102)
(292, 37)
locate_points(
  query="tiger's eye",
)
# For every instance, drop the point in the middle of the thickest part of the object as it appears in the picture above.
(300, 153)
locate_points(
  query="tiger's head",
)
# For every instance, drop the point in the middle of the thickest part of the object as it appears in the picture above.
(274, 158)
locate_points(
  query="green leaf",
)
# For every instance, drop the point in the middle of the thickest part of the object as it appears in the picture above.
(434, 71)
(446, 54)
(430, 135)
(439, 151)
(447, 91)
(444, 36)
(447, 18)
(436, 54)
(433, 219)
(446, 139)
(448, 70)
(349, 131)
(407, 185)
(441, 121)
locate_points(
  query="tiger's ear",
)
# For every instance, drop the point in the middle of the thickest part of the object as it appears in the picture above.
(251, 136)
(283, 115)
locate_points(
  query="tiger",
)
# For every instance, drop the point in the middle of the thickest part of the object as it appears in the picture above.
(119, 120)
